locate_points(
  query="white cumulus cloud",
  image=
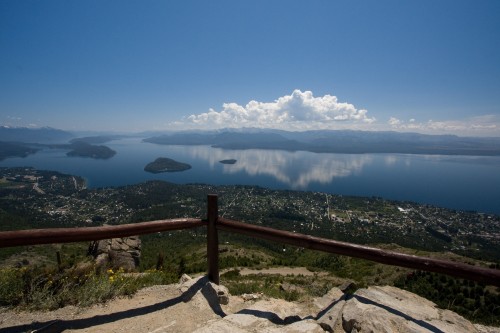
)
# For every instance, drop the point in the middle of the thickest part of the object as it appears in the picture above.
(394, 121)
(487, 125)
(300, 110)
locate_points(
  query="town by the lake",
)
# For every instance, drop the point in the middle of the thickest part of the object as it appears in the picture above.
(51, 199)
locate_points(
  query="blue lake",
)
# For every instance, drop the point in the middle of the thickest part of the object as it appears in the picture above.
(458, 182)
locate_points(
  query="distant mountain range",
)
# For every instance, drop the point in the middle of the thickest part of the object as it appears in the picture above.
(34, 135)
(336, 141)
(22, 141)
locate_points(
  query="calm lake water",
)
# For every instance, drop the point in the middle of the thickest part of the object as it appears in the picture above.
(459, 182)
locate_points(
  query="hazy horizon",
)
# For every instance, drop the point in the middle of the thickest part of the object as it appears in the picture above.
(145, 133)
(123, 66)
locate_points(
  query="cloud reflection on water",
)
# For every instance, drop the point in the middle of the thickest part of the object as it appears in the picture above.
(296, 169)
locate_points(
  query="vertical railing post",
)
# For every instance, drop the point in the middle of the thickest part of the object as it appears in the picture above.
(212, 239)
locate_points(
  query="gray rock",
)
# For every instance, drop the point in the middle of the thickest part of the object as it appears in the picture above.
(303, 326)
(330, 309)
(486, 329)
(331, 320)
(222, 294)
(251, 297)
(247, 321)
(332, 296)
(184, 278)
(117, 253)
(203, 292)
(376, 309)
(347, 286)
(288, 288)
(389, 309)
(221, 326)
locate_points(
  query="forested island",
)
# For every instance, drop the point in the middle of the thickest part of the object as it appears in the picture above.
(163, 164)
(83, 149)
(98, 139)
(229, 161)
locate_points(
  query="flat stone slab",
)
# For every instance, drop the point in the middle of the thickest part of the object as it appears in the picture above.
(389, 309)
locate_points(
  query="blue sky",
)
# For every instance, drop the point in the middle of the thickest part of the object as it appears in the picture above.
(423, 66)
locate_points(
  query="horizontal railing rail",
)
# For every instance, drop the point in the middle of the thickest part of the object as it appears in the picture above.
(457, 269)
(70, 235)
(215, 223)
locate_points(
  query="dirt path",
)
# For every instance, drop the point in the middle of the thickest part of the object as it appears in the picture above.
(156, 309)
(165, 308)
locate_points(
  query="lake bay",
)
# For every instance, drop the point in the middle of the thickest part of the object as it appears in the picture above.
(457, 182)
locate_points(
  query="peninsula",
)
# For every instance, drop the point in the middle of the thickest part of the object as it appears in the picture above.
(163, 164)
(83, 149)
(12, 149)
(336, 141)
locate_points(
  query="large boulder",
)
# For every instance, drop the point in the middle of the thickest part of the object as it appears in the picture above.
(329, 308)
(374, 309)
(117, 253)
(389, 309)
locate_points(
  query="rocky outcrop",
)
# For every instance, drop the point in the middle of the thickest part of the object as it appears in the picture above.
(117, 253)
(197, 305)
(375, 309)
(389, 309)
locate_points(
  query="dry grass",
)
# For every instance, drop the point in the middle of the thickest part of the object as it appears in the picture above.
(48, 289)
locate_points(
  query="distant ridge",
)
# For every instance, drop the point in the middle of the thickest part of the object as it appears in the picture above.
(9, 149)
(22, 141)
(34, 135)
(337, 141)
